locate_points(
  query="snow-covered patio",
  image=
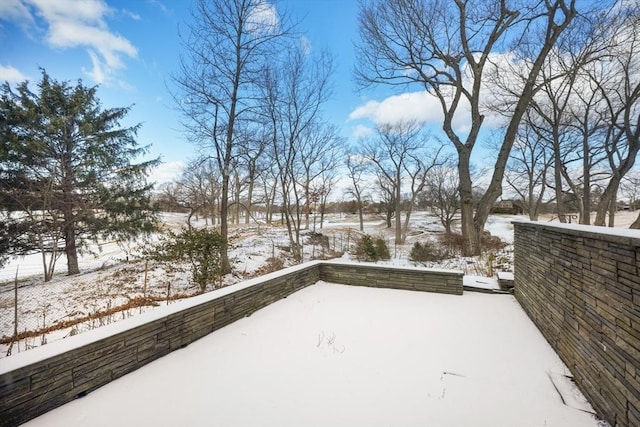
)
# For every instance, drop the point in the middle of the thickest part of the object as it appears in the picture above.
(344, 355)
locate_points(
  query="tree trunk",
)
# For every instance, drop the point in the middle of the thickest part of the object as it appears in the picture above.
(307, 208)
(585, 214)
(447, 227)
(70, 247)
(607, 200)
(398, 207)
(610, 193)
(249, 200)
(471, 240)
(612, 212)
(69, 227)
(405, 227)
(225, 266)
(557, 175)
(49, 266)
(359, 205)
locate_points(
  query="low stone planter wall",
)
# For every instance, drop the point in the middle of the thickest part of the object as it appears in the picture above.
(36, 381)
(581, 287)
(379, 276)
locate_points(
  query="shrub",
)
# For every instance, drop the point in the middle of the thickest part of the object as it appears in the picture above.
(365, 250)
(272, 264)
(492, 243)
(318, 239)
(382, 250)
(454, 242)
(428, 252)
(369, 250)
(200, 247)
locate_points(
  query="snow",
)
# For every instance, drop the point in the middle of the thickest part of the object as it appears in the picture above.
(340, 355)
(611, 231)
(113, 279)
(480, 282)
(38, 354)
(501, 226)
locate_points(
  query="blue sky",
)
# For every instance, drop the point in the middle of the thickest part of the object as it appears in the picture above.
(131, 48)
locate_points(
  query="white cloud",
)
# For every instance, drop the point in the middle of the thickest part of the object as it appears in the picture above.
(421, 107)
(166, 172)
(410, 106)
(424, 107)
(263, 18)
(11, 74)
(110, 46)
(161, 6)
(132, 15)
(361, 131)
(306, 45)
(15, 10)
(76, 23)
(97, 72)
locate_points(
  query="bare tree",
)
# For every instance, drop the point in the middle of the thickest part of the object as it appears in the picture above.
(196, 191)
(328, 179)
(528, 167)
(442, 192)
(401, 159)
(252, 159)
(269, 179)
(317, 150)
(621, 93)
(329, 172)
(227, 46)
(580, 110)
(630, 188)
(445, 48)
(387, 194)
(547, 125)
(295, 90)
(357, 168)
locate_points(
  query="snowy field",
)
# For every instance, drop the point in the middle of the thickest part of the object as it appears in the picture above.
(115, 284)
(335, 355)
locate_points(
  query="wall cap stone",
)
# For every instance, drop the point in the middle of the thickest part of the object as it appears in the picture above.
(624, 236)
(394, 267)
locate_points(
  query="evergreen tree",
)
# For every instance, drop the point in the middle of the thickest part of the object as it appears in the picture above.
(66, 172)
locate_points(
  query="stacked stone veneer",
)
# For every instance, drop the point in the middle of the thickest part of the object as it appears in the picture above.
(580, 285)
(441, 281)
(36, 381)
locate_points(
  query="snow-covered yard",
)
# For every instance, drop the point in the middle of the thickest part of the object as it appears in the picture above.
(341, 355)
(112, 288)
(114, 285)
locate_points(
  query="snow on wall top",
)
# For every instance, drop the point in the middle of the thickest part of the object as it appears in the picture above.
(593, 230)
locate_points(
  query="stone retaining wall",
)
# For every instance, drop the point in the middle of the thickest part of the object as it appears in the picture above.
(36, 381)
(580, 285)
(378, 276)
